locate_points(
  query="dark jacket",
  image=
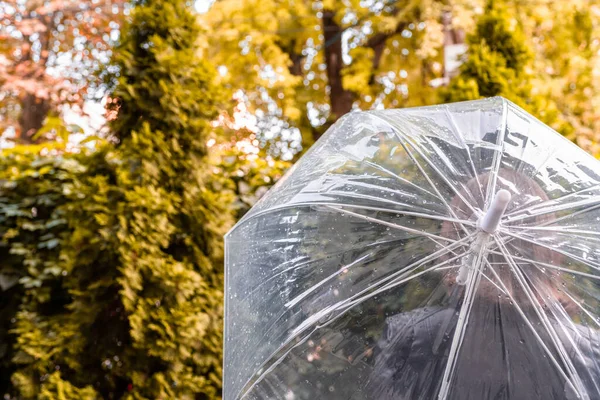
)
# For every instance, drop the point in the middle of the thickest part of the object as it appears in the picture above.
(500, 357)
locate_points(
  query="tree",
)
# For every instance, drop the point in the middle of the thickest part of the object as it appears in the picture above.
(142, 286)
(495, 62)
(541, 57)
(32, 227)
(49, 50)
(567, 62)
(309, 63)
(285, 58)
(248, 173)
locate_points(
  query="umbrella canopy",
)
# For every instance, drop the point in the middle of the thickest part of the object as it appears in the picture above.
(445, 252)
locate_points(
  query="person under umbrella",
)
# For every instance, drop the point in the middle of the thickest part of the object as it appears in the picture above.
(377, 229)
(413, 351)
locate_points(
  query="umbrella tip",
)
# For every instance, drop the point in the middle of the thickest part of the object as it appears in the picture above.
(489, 222)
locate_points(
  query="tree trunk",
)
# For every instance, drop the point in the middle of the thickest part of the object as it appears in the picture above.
(33, 113)
(340, 99)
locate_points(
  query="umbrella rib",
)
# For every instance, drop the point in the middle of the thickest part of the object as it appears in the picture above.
(314, 287)
(364, 295)
(531, 327)
(547, 265)
(360, 207)
(403, 279)
(557, 230)
(305, 264)
(459, 137)
(461, 325)
(506, 229)
(532, 175)
(442, 156)
(417, 264)
(551, 222)
(367, 293)
(391, 225)
(491, 187)
(555, 307)
(574, 380)
(345, 305)
(401, 179)
(437, 171)
(366, 196)
(487, 263)
(589, 314)
(371, 244)
(594, 202)
(547, 203)
(407, 213)
(539, 264)
(414, 160)
(354, 182)
(564, 253)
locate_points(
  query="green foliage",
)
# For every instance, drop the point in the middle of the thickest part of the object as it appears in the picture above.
(494, 28)
(133, 307)
(486, 72)
(247, 176)
(495, 61)
(286, 56)
(33, 189)
(498, 62)
(58, 389)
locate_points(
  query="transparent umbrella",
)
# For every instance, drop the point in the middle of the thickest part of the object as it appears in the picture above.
(445, 252)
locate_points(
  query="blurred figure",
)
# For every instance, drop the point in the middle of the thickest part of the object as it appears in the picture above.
(507, 352)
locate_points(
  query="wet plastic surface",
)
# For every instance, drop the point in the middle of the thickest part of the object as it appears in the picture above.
(363, 274)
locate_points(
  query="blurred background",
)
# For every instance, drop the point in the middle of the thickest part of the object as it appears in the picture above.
(133, 134)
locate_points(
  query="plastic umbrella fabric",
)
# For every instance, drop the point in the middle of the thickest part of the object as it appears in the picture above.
(445, 252)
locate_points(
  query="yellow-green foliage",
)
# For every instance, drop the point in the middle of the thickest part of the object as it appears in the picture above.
(498, 62)
(495, 61)
(275, 50)
(126, 301)
(32, 226)
(247, 176)
(59, 389)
